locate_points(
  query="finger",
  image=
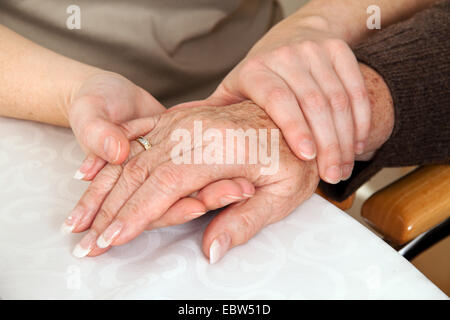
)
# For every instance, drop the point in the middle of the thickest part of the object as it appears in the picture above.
(133, 176)
(166, 184)
(139, 127)
(222, 193)
(102, 137)
(236, 225)
(87, 208)
(347, 69)
(89, 168)
(319, 117)
(213, 196)
(182, 211)
(325, 76)
(272, 94)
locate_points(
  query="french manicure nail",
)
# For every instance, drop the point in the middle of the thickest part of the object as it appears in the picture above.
(86, 244)
(307, 149)
(71, 221)
(219, 247)
(108, 236)
(192, 216)
(333, 174)
(78, 175)
(84, 168)
(68, 226)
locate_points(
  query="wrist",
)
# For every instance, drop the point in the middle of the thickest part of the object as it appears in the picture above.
(346, 22)
(74, 85)
(382, 107)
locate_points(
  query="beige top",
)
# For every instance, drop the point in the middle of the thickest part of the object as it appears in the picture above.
(178, 50)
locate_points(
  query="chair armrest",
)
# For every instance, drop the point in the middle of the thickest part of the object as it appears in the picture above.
(343, 205)
(410, 206)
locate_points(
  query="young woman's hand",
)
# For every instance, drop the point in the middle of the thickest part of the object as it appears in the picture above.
(308, 81)
(96, 111)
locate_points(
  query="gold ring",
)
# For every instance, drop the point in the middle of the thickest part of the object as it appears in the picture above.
(144, 142)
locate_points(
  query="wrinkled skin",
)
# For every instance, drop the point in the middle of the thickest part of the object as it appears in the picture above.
(151, 191)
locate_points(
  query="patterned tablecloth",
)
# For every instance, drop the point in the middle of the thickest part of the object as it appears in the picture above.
(316, 252)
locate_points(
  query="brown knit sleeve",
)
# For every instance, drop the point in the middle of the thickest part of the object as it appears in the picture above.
(413, 59)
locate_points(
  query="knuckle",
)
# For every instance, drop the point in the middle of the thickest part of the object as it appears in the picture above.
(337, 45)
(339, 101)
(309, 47)
(314, 100)
(284, 53)
(332, 151)
(277, 95)
(166, 178)
(133, 210)
(135, 171)
(251, 65)
(105, 215)
(291, 125)
(358, 93)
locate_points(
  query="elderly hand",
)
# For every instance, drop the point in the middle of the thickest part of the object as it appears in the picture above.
(308, 81)
(152, 189)
(96, 111)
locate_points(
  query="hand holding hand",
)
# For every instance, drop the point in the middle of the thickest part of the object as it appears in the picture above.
(152, 191)
(308, 81)
(96, 112)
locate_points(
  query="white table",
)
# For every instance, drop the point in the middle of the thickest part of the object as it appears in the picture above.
(317, 252)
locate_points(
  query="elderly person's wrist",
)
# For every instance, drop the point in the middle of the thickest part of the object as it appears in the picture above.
(382, 121)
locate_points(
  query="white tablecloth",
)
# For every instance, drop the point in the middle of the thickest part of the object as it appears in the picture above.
(317, 252)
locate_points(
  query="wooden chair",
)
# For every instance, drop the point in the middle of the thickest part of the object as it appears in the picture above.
(412, 213)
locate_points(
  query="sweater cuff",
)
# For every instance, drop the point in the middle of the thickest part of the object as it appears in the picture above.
(412, 58)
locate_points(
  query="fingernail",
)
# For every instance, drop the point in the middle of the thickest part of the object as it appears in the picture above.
(359, 148)
(226, 200)
(86, 244)
(112, 148)
(307, 149)
(219, 247)
(347, 171)
(84, 168)
(108, 236)
(333, 174)
(71, 221)
(247, 195)
(78, 175)
(193, 216)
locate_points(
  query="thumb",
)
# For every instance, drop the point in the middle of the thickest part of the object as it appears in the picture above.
(107, 140)
(97, 133)
(235, 225)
